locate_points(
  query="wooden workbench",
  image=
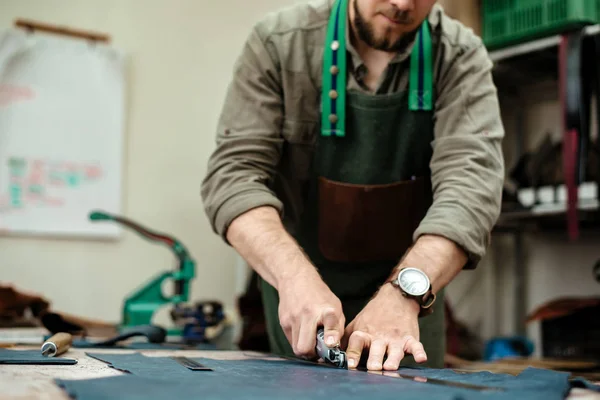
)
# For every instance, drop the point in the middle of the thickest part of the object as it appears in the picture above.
(25, 382)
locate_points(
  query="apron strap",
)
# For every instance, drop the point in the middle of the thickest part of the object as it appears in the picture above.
(421, 72)
(333, 95)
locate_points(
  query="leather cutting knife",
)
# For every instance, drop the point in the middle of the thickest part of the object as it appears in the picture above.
(331, 355)
(435, 381)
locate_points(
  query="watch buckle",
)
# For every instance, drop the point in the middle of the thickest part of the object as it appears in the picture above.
(429, 302)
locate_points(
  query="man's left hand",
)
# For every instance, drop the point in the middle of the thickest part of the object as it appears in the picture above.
(388, 325)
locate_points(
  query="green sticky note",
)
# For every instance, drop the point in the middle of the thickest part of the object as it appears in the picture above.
(73, 179)
(16, 195)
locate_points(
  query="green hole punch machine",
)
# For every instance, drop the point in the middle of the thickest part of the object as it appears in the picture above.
(140, 306)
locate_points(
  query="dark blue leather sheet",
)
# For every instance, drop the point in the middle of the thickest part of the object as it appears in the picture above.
(8, 356)
(161, 378)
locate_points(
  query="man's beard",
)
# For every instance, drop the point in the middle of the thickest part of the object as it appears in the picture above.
(366, 32)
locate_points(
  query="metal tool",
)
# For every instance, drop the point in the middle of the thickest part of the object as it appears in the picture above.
(195, 319)
(141, 305)
(332, 355)
(191, 364)
(57, 344)
(434, 381)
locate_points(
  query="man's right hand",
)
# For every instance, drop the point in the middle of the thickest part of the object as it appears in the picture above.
(305, 304)
(305, 301)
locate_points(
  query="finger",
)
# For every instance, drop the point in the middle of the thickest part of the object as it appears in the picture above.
(333, 326)
(376, 353)
(356, 343)
(347, 332)
(307, 338)
(293, 330)
(394, 356)
(286, 327)
(289, 336)
(414, 347)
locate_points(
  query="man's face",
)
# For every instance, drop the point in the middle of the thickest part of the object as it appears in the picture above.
(387, 24)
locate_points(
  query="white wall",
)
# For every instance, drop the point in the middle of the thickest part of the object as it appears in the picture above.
(180, 54)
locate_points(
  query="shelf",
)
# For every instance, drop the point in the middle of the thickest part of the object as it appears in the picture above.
(548, 219)
(535, 45)
(530, 62)
(517, 70)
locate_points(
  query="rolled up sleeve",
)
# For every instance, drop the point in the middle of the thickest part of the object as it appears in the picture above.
(467, 165)
(248, 139)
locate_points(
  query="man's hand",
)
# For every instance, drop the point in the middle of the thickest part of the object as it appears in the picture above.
(305, 301)
(305, 304)
(387, 326)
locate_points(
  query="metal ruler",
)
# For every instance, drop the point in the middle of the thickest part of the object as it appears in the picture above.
(191, 364)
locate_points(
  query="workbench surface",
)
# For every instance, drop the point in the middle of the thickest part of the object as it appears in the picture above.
(24, 382)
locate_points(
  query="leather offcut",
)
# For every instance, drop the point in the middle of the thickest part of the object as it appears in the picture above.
(579, 78)
(32, 357)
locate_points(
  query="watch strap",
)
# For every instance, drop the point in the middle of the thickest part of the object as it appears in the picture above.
(425, 301)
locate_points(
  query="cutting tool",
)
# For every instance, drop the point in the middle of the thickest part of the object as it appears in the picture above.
(331, 355)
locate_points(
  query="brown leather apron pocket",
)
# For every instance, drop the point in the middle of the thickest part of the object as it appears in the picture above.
(361, 223)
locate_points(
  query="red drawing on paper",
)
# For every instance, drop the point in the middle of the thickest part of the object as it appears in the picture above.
(10, 94)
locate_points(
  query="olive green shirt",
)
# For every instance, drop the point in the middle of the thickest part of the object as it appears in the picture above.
(270, 122)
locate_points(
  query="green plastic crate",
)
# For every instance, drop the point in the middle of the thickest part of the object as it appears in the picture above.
(508, 22)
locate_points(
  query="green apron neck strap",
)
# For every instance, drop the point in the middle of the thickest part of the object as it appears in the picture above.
(421, 72)
(333, 95)
(333, 98)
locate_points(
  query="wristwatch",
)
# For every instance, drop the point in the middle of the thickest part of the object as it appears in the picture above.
(414, 284)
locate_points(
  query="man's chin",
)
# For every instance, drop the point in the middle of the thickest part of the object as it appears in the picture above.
(389, 43)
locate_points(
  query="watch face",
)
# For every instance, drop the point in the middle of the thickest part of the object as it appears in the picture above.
(413, 281)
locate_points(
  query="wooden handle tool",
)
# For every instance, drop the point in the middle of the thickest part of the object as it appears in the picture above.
(57, 344)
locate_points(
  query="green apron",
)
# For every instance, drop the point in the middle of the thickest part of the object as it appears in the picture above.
(369, 190)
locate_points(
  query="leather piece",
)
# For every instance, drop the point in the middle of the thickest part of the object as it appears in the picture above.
(543, 165)
(15, 303)
(57, 322)
(562, 307)
(130, 387)
(153, 378)
(569, 76)
(86, 344)
(32, 357)
(143, 366)
(361, 223)
(594, 163)
(579, 78)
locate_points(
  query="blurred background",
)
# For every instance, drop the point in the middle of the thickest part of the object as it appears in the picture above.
(167, 65)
